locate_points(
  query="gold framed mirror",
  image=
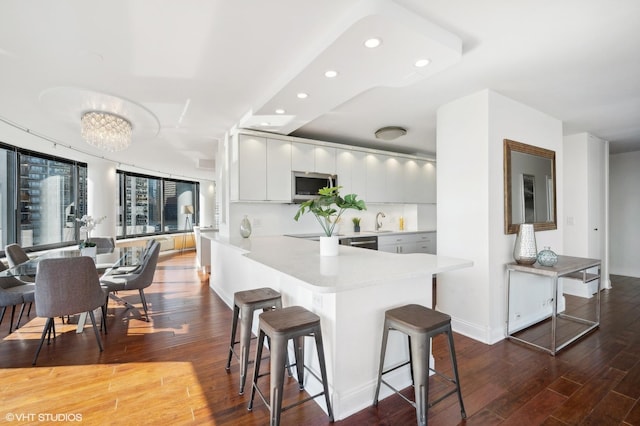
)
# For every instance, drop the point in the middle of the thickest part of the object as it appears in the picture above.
(529, 187)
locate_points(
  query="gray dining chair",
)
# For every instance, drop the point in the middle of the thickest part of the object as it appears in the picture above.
(67, 286)
(121, 270)
(15, 256)
(134, 281)
(14, 292)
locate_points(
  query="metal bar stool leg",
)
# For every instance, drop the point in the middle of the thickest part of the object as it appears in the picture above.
(323, 371)
(383, 351)
(234, 327)
(454, 363)
(420, 369)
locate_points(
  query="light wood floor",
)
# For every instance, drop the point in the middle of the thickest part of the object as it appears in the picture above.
(171, 370)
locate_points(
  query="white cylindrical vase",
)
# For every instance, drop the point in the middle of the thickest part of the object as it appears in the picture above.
(329, 246)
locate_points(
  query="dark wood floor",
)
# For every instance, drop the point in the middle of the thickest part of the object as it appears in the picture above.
(171, 370)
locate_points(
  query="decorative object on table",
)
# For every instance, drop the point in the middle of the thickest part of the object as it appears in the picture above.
(547, 257)
(356, 224)
(327, 208)
(401, 224)
(88, 224)
(245, 227)
(525, 251)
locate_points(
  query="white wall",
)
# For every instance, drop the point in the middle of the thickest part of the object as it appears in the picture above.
(470, 209)
(624, 207)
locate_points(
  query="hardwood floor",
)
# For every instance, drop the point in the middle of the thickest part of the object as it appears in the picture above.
(171, 369)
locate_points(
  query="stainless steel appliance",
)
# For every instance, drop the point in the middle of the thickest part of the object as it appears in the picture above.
(368, 242)
(305, 185)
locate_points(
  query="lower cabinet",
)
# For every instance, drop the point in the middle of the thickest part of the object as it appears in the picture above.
(422, 242)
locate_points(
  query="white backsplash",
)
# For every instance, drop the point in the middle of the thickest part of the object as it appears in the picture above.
(278, 219)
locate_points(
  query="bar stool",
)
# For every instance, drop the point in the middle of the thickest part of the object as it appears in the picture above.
(294, 322)
(244, 305)
(420, 324)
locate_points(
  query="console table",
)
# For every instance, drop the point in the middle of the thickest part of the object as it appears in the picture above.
(567, 267)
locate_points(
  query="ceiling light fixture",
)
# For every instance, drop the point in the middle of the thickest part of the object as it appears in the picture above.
(390, 133)
(331, 74)
(373, 43)
(302, 95)
(105, 131)
(280, 111)
(422, 63)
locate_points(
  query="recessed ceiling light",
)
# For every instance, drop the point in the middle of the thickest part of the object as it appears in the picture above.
(265, 123)
(302, 95)
(373, 42)
(279, 111)
(331, 74)
(422, 63)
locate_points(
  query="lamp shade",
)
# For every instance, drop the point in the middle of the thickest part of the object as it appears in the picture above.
(188, 209)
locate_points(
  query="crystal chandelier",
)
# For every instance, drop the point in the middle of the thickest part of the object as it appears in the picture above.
(106, 131)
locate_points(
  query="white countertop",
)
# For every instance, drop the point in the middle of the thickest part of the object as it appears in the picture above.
(352, 268)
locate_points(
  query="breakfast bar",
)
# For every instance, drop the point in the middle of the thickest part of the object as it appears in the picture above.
(350, 292)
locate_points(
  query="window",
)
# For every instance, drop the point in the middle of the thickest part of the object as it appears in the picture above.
(40, 197)
(152, 205)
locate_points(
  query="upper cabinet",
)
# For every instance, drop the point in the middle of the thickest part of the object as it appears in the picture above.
(420, 181)
(313, 158)
(351, 169)
(263, 169)
(260, 170)
(278, 170)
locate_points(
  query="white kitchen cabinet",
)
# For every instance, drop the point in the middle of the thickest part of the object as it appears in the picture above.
(262, 170)
(252, 168)
(303, 157)
(351, 170)
(394, 179)
(420, 181)
(325, 159)
(278, 172)
(313, 158)
(376, 177)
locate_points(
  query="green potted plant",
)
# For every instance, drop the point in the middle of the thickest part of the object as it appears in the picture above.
(327, 208)
(356, 224)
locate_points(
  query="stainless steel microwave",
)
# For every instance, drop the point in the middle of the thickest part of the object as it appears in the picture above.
(305, 185)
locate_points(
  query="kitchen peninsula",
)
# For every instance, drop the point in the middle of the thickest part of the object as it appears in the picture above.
(350, 292)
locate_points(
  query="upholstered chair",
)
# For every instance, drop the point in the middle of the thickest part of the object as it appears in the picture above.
(67, 286)
(15, 256)
(135, 281)
(14, 292)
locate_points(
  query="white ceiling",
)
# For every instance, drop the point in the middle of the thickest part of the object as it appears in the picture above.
(185, 72)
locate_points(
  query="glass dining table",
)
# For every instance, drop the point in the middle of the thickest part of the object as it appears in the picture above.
(106, 260)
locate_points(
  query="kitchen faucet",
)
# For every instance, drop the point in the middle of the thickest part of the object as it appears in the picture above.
(378, 222)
